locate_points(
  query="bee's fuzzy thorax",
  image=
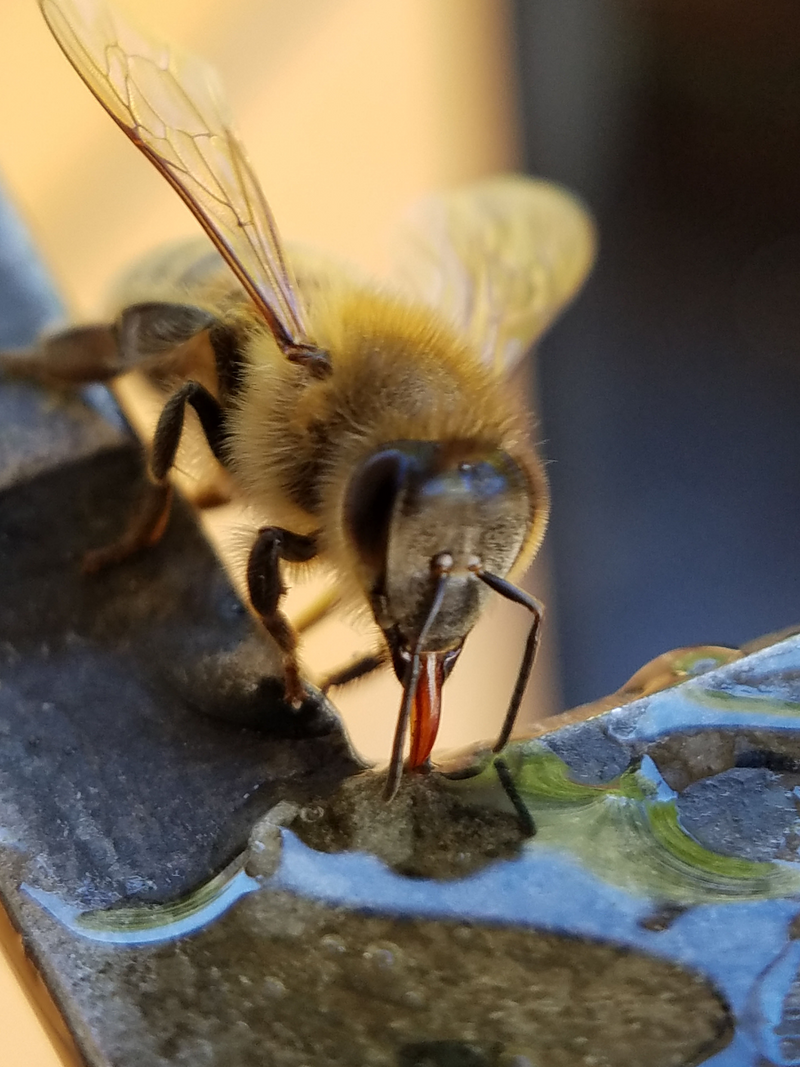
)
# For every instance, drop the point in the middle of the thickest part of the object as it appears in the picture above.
(399, 373)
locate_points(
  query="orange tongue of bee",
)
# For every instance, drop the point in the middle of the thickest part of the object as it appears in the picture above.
(427, 708)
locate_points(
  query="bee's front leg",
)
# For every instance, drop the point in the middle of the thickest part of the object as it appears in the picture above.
(266, 588)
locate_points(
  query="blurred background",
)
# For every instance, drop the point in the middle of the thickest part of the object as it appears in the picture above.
(670, 392)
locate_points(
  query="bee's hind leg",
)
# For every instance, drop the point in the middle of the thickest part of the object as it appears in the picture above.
(150, 518)
(144, 335)
(266, 588)
(76, 357)
(73, 357)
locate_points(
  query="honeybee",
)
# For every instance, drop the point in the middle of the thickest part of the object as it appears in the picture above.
(368, 422)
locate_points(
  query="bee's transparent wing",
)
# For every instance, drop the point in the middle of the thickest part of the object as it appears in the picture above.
(171, 108)
(499, 259)
(319, 275)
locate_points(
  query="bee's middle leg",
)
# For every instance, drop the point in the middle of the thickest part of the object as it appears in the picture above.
(148, 522)
(265, 585)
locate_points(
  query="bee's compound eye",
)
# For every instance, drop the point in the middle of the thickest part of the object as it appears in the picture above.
(369, 503)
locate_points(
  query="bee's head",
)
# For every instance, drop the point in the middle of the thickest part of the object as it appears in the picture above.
(415, 511)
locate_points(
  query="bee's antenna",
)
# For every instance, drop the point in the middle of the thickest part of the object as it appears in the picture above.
(440, 565)
(510, 592)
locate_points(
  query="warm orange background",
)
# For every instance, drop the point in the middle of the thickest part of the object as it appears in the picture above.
(350, 109)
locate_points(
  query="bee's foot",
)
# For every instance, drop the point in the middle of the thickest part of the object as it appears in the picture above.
(295, 693)
(307, 714)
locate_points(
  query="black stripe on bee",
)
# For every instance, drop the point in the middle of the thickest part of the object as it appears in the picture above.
(228, 359)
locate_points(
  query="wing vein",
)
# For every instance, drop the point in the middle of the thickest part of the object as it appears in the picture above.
(171, 109)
